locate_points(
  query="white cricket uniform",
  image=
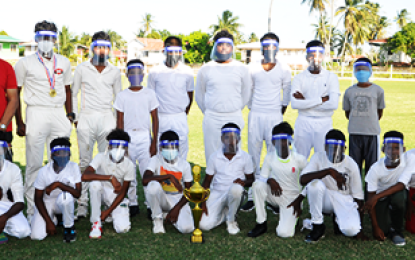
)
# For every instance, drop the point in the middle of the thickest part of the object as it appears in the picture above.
(314, 116)
(103, 191)
(11, 179)
(137, 106)
(286, 173)
(222, 91)
(324, 195)
(58, 202)
(162, 197)
(225, 196)
(95, 118)
(45, 117)
(172, 87)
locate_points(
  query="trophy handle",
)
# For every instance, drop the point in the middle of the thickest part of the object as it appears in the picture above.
(206, 195)
(186, 193)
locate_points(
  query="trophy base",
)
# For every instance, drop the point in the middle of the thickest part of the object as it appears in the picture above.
(197, 239)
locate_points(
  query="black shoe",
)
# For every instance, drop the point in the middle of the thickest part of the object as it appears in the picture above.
(69, 235)
(248, 206)
(316, 234)
(258, 230)
(275, 209)
(149, 213)
(134, 211)
(60, 220)
(336, 228)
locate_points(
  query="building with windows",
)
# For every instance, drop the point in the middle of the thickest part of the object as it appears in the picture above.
(150, 51)
(9, 48)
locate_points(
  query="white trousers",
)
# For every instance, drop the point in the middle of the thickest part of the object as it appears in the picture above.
(43, 124)
(212, 125)
(177, 123)
(160, 203)
(93, 126)
(17, 226)
(138, 151)
(221, 206)
(262, 193)
(323, 200)
(311, 132)
(64, 204)
(101, 193)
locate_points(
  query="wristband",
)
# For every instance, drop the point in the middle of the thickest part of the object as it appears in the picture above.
(71, 115)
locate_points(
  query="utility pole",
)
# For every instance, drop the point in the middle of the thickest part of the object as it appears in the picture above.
(269, 16)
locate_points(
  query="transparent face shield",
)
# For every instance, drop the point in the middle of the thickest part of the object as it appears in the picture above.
(117, 150)
(282, 143)
(223, 50)
(100, 52)
(4, 147)
(335, 150)
(135, 74)
(362, 71)
(393, 149)
(45, 42)
(269, 49)
(169, 150)
(230, 139)
(315, 57)
(173, 55)
(60, 156)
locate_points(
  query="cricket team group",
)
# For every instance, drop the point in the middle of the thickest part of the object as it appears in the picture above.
(147, 126)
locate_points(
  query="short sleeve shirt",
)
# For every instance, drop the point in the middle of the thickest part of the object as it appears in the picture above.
(11, 178)
(123, 171)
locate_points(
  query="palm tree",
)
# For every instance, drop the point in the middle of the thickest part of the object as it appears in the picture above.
(66, 42)
(253, 38)
(317, 5)
(322, 29)
(147, 23)
(116, 40)
(402, 18)
(227, 22)
(379, 28)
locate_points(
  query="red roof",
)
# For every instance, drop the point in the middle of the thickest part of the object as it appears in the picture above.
(119, 54)
(379, 41)
(151, 44)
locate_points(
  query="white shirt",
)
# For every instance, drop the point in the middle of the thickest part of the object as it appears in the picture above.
(123, 171)
(171, 87)
(408, 175)
(136, 106)
(180, 170)
(285, 172)
(314, 87)
(347, 167)
(31, 74)
(11, 178)
(267, 86)
(70, 176)
(223, 87)
(379, 178)
(225, 171)
(98, 90)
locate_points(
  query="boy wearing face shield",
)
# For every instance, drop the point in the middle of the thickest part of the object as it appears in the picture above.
(278, 183)
(386, 181)
(173, 82)
(57, 186)
(315, 93)
(99, 82)
(46, 77)
(110, 174)
(166, 176)
(229, 170)
(134, 107)
(12, 220)
(267, 107)
(223, 89)
(333, 186)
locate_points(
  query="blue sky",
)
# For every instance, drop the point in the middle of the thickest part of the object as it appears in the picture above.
(290, 19)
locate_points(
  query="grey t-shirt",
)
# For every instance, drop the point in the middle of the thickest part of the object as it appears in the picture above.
(363, 104)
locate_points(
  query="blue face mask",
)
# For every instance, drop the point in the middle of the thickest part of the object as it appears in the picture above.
(169, 154)
(135, 80)
(61, 161)
(363, 76)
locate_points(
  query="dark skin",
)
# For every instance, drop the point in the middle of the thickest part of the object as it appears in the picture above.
(15, 209)
(225, 48)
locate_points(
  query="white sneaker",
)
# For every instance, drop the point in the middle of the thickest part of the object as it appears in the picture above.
(82, 211)
(109, 219)
(96, 231)
(158, 226)
(233, 228)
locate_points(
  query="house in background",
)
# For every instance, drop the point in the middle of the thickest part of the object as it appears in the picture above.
(9, 48)
(150, 51)
(386, 55)
(29, 47)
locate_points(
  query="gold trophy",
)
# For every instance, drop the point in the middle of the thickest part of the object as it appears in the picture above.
(196, 194)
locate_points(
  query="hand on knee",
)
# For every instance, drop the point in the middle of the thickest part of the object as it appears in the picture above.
(153, 188)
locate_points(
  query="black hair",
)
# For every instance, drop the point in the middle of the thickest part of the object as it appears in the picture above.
(118, 134)
(315, 43)
(46, 26)
(60, 141)
(101, 35)
(171, 41)
(135, 61)
(270, 35)
(169, 136)
(393, 134)
(364, 60)
(223, 34)
(231, 125)
(335, 134)
(283, 127)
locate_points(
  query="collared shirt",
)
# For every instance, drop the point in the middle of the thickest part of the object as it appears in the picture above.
(379, 178)
(7, 81)
(98, 90)
(225, 171)
(31, 74)
(11, 178)
(171, 87)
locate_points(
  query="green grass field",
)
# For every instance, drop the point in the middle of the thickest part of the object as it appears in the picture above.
(140, 243)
